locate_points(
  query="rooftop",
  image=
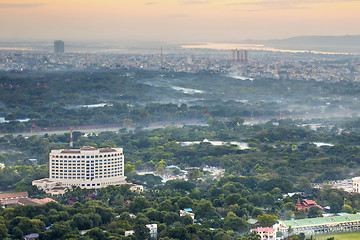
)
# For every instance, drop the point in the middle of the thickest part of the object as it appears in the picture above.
(267, 229)
(86, 148)
(14, 195)
(322, 220)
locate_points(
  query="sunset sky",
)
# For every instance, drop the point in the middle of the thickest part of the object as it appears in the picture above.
(176, 20)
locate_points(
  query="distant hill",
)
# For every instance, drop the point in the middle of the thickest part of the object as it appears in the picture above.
(350, 43)
(349, 40)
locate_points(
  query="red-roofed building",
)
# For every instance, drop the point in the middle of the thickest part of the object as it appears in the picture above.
(29, 201)
(265, 233)
(12, 198)
(307, 204)
(46, 200)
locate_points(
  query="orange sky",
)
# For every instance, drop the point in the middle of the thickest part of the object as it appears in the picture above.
(176, 20)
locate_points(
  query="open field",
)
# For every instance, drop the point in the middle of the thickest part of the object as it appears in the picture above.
(340, 236)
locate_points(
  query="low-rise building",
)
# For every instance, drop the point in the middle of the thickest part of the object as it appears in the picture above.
(265, 233)
(307, 204)
(136, 188)
(29, 201)
(12, 198)
(130, 232)
(356, 184)
(31, 236)
(311, 226)
(187, 211)
(50, 187)
(153, 230)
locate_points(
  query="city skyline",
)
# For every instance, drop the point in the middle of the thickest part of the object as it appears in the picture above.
(176, 20)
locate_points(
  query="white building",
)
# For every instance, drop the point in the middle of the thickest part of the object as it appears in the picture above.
(153, 230)
(50, 187)
(356, 184)
(136, 188)
(87, 167)
(130, 232)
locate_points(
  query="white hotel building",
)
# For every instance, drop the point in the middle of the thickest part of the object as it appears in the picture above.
(87, 167)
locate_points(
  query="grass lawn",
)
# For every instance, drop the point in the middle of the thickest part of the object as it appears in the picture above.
(340, 236)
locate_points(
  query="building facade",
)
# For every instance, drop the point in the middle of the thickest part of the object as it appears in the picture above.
(153, 230)
(265, 233)
(356, 184)
(87, 167)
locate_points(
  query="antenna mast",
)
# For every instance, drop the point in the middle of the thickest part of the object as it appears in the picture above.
(71, 139)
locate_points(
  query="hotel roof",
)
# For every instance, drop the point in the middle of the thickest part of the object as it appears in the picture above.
(84, 149)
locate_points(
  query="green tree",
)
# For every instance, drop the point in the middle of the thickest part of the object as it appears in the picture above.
(194, 175)
(336, 203)
(128, 168)
(304, 184)
(165, 206)
(347, 208)
(267, 220)
(160, 167)
(3, 231)
(205, 209)
(178, 233)
(17, 233)
(96, 234)
(81, 221)
(251, 236)
(235, 198)
(185, 202)
(171, 217)
(141, 231)
(314, 212)
(58, 231)
(186, 220)
(235, 223)
(138, 205)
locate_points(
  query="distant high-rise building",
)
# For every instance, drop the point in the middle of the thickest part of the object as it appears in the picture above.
(237, 56)
(240, 56)
(246, 56)
(59, 46)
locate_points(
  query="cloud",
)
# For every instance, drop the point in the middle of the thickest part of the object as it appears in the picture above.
(174, 16)
(151, 3)
(284, 4)
(269, 5)
(192, 2)
(21, 5)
